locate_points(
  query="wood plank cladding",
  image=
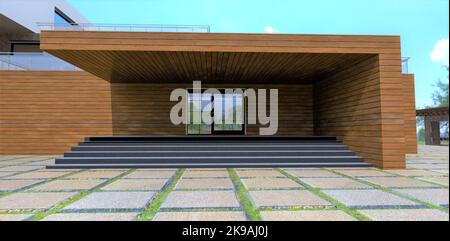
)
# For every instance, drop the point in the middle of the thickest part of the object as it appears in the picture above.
(409, 114)
(347, 105)
(350, 105)
(219, 58)
(47, 112)
(214, 67)
(222, 42)
(144, 109)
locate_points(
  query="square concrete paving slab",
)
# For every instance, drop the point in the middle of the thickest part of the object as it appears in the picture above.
(39, 175)
(120, 201)
(96, 174)
(200, 216)
(11, 185)
(439, 180)
(397, 182)
(204, 183)
(313, 215)
(437, 196)
(258, 173)
(441, 171)
(198, 173)
(201, 199)
(311, 173)
(334, 183)
(270, 183)
(369, 198)
(287, 198)
(365, 173)
(414, 173)
(91, 217)
(142, 174)
(20, 168)
(31, 201)
(428, 166)
(41, 163)
(10, 157)
(405, 214)
(136, 184)
(15, 217)
(6, 174)
(68, 185)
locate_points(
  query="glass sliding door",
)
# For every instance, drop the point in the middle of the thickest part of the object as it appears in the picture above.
(231, 110)
(196, 104)
(227, 112)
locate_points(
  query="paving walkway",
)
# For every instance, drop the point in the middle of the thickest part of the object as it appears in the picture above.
(28, 191)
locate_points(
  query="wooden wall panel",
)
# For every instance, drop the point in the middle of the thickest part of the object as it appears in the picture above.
(347, 105)
(143, 109)
(363, 105)
(409, 101)
(47, 112)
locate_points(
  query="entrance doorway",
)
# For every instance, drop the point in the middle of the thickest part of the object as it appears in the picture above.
(229, 108)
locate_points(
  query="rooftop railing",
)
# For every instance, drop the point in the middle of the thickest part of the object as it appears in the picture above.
(33, 61)
(124, 27)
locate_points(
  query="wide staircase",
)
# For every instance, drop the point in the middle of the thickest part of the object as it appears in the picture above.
(209, 152)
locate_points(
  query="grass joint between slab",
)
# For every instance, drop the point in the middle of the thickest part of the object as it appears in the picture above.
(316, 191)
(156, 203)
(243, 196)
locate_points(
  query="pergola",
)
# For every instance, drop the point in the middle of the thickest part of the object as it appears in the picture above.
(433, 117)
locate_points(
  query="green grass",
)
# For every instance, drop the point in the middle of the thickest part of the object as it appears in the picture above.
(154, 206)
(243, 196)
(319, 193)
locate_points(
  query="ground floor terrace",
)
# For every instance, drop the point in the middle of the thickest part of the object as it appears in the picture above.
(28, 191)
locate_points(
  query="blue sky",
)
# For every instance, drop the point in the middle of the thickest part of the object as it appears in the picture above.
(422, 24)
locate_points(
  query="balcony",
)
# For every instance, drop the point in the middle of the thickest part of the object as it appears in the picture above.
(125, 27)
(33, 61)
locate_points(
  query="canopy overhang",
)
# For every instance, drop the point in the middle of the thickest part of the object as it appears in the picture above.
(214, 58)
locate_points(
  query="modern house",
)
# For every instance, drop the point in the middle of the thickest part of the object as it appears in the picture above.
(115, 81)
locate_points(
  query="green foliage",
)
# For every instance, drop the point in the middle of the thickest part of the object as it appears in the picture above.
(440, 96)
(421, 137)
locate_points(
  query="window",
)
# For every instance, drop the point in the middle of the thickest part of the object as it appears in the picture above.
(25, 46)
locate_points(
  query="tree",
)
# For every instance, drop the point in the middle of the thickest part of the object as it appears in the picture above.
(440, 96)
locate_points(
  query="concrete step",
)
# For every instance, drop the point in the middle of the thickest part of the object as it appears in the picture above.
(207, 159)
(211, 148)
(208, 153)
(210, 165)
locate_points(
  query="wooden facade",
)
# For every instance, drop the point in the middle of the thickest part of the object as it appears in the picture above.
(351, 87)
(47, 112)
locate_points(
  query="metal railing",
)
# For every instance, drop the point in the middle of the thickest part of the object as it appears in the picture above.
(33, 61)
(405, 65)
(124, 27)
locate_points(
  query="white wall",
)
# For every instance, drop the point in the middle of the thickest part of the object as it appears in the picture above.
(29, 12)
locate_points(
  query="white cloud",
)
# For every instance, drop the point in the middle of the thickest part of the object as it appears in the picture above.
(269, 29)
(440, 52)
